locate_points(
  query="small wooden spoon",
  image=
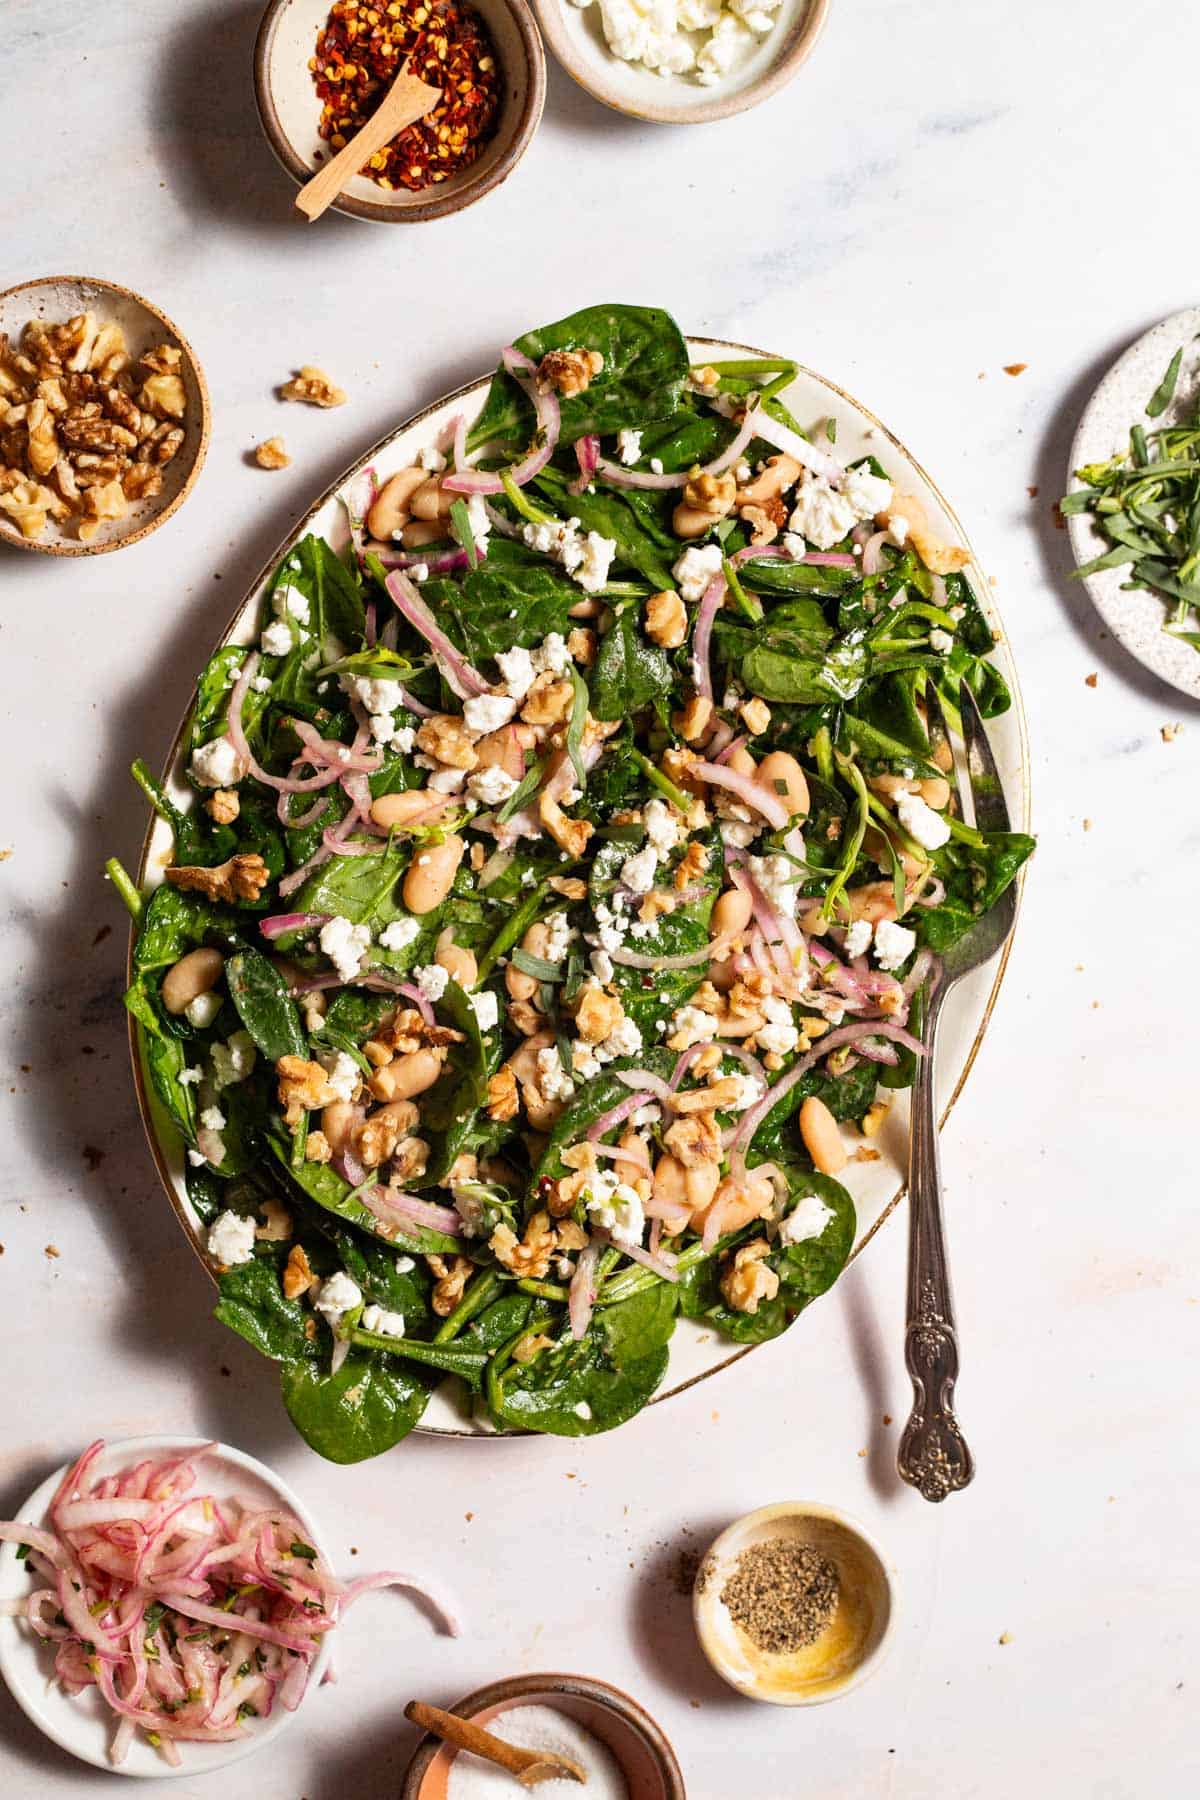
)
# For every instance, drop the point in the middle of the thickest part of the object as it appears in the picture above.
(528, 1767)
(407, 100)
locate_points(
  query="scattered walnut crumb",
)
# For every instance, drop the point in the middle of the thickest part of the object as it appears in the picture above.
(1087, 824)
(863, 1154)
(1091, 680)
(313, 386)
(1015, 368)
(887, 1418)
(1005, 1637)
(5, 854)
(1171, 732)
(53, 1250)
(272, 454)
(1056, 513)
(1033, 492)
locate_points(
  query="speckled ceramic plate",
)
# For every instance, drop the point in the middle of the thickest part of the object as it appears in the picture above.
(576, 36)
(876, 1186)
(1134, 616)
(53, 299)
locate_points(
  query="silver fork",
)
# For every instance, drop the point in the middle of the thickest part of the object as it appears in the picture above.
(933, 1455)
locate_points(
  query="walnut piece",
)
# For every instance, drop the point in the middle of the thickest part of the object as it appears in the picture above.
(747, 1279)
(298, 1276)
(223, 806)
(276, 1227)
(444, 738)
(569, 834)
(529, 1256)
(243, 877)
(503, 1101)
(711, 494)
(28, 504)
(271, 454)
(313, 386)
(303, 1086)
(548, 702)
(666, 620)
(693, 721)
(569, 372)
(317, 1148)
(452, 1278)
(597, 1013)
(106, 500)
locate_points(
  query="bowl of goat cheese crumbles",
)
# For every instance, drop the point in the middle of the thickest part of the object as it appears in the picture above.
(531, 937)
(681, 62)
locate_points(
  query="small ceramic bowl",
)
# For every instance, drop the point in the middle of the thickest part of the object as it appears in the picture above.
(83, 1725)
(640, 1747)
(57, 298)
(850, 1648)
(576, 36)
(290, 110)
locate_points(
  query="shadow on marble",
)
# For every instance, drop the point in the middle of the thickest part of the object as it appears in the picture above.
(660, 1618)
(883, 1382)
(207, 124)
(1052, 473)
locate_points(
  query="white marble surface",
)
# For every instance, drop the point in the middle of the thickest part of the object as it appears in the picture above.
(946, 189)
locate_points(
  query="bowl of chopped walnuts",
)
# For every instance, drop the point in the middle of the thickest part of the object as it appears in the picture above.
(104, 416)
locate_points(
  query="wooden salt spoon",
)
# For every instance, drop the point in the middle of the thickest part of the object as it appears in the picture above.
(407, 100)
(528, 1767)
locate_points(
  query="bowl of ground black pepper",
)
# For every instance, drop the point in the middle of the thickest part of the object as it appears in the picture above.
(794, 1604)
(321, 67)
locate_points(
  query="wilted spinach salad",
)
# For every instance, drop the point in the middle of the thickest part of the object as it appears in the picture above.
(566, 861)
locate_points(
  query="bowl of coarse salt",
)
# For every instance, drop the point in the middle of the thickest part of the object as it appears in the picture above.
(625, 1754)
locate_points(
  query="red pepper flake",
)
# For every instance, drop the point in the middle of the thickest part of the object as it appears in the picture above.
(360, 51)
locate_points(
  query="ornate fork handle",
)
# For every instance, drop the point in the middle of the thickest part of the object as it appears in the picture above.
(933, 1455)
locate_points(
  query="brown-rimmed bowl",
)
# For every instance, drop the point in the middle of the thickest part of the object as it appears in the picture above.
(290, 110)
(640, 1746)
(57, 298)
(576, 36)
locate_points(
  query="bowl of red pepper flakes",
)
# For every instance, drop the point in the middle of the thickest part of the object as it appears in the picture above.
(321, 69)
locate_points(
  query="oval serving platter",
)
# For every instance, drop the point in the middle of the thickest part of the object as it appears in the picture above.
(876, 1187)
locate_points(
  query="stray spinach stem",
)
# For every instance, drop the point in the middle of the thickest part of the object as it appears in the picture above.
(665, 786)
(480, 1291)
(126, 888)
(524, 506)
(853, 775)
(746, 602)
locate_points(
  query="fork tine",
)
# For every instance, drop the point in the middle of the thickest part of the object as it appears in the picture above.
(987, 790)
(938, 735)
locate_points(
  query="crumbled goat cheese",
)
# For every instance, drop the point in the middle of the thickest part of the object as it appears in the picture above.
(231, 1239)
(662, 827)
(822, 515)
(262, 684)
(345, 944)
(374, 694)
(234, 1060)
(615, 1207)
(898, 530)
(190, 1077)
(594, 564)
(405, 1265)
(432, 459)
(656, 467)
(342, 1074)
(336, 1297)
(553, 1081)
(552, 656)
(488, 712)
(777, 877)
(217, 764)
(559, 933)
(582, 1410)
(858, 937)
(921, 822)
(517, 671)
(492, 786)
(646, 1115)
(624, 1040)
(750, 1091)
(894, 944)
(431, 978)
(447, 781)
(384, 1323)
(487, 1010)
(629, 446)
(868, 494)
(694, 1026)
(941, 641)
(201, 1011)
(729, 44)
(400, 933)
(276, 639)
(696, 568)
(779, 1034)
(602, 966)
(637, 871)
(808, 1219)
(213, 1119)
(739, 833)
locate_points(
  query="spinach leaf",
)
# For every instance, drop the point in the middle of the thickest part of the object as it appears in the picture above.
(212, 693)
(450, 1109)
(323, 1184)
(645, 367)
(804, 1270)
(629, 674)
(579, 1389)
(361, 888)
(779, 668)
(336, 604)
(615, 516)
(173, 923)
(975, 878)
(266, 1009)
(651, 995)
(367, 1407)
(503, 603)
